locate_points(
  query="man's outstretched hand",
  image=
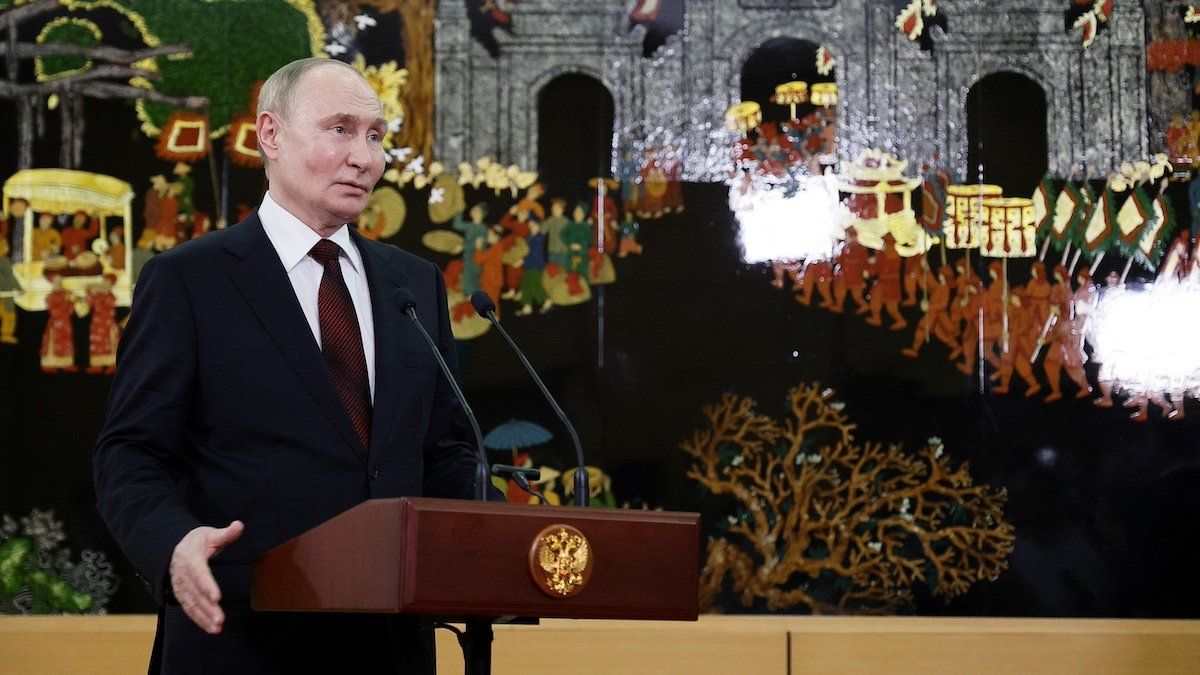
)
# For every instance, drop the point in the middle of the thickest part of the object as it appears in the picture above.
(192, 580)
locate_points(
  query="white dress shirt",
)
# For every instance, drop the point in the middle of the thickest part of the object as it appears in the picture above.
(293, 240)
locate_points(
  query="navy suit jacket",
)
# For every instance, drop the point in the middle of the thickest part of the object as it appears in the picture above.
(223, 408)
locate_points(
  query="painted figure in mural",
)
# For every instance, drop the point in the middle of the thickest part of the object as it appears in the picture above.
(166, 228)
(1036, 293)
(885, 291)
(993, 333)
(531, 204)
(153, 202)
(936, 320)
(315, 370)
(784, 269)
(371, 222)
(673, 197)
(515, 227)
(77, 237)
(489, 256)
(14, 227)
(115, 257)
(817, 276)
(58, 340)
(1023, 331)
(1177, 142)
(533, 284)
(577, 235)
(629, 175)
(1066, 353)
(102, 331)
(629, 232)
(46, 239)
(851, 275)
(553, 229)
(915, 273)
(1192, 138)
(201, 224)
(473, 231)
(968, 303)
(8, 287)
(649, 201)
(186, 190)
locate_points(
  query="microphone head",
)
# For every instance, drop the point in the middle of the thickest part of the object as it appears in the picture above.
(482, 303)
(404, 299)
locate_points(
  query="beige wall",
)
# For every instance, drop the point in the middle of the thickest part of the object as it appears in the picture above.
(715, 644)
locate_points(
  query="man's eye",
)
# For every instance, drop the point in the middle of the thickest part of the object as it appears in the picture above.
(340, 129)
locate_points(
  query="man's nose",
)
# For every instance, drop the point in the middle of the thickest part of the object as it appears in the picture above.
(362, 154)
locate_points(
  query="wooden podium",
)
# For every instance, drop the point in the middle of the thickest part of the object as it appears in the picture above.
(451, 558)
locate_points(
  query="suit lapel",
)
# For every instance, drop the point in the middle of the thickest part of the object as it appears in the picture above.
(265, 285)
(383, 279)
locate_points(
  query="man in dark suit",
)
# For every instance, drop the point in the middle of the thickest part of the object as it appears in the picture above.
(267, 382)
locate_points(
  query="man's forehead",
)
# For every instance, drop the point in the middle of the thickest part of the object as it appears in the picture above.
(341, 88)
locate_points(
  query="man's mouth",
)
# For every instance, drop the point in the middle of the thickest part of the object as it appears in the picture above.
(357, 186)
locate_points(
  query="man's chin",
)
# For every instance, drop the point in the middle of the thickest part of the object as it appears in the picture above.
(347, 211)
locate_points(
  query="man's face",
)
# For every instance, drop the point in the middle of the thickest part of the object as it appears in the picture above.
(327, 154)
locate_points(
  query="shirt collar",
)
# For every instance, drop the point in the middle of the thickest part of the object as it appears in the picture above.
(293, 239)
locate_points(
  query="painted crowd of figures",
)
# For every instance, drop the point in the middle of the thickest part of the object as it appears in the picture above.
(536, 257)
(990, 326)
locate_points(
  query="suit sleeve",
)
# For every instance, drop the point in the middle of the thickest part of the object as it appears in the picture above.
(138, 459)
(449, 456)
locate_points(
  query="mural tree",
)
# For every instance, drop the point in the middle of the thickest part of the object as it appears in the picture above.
(416, 32)
(832, 526)
(71, 65)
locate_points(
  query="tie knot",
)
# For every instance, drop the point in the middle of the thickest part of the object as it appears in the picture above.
(325, 252)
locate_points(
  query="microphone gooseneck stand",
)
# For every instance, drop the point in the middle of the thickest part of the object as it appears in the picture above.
(476, 640)
(486, 308)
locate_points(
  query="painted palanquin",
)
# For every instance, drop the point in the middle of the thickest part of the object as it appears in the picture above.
(63, 191)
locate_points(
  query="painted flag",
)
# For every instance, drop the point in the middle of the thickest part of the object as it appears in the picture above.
(1098, 231)
(1043, 206)
(909, 21)
(1070, 210)
(1134, 216)
(933, 200)
(826, 62)
(646, 11)
(1158, 232)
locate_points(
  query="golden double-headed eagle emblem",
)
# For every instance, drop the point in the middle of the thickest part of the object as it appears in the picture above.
(560, 561)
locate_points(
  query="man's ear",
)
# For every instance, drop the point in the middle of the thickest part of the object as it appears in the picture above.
(267, 127)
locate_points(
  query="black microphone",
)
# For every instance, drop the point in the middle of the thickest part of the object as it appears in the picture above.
(483, 478)
(486, 308)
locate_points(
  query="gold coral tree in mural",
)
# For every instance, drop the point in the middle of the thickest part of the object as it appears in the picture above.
(416, 31)
(829, 525)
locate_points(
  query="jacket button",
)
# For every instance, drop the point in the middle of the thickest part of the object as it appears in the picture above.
(375, 474)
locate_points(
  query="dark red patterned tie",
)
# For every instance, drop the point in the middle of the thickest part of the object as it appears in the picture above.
(341, 340)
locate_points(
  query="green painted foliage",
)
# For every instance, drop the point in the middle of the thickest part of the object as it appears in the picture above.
(71, 34)
(233, 43)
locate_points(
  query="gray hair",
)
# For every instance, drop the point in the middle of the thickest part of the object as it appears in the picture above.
(278, 93)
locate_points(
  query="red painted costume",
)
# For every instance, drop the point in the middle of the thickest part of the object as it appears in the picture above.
(58, 346)
(76, 237)
(886, 291)
(852, 263)
(102, 333)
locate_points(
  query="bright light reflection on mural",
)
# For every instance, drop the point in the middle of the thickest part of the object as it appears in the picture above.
(773, 225)
(1138, 339)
